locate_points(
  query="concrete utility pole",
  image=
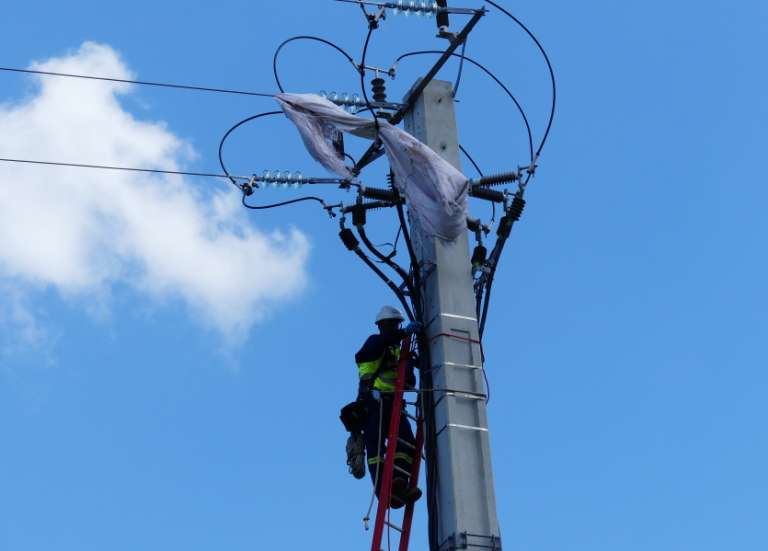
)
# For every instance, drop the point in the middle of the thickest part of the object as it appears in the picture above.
(465, 492)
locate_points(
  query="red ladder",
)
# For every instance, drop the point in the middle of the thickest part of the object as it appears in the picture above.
(385, 494)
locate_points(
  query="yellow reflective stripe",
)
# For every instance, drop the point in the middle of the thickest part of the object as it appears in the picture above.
(381, 385)
(404, 456)
(366, 369)
(400, 455)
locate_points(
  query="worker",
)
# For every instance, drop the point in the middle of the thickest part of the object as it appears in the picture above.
(377, 363)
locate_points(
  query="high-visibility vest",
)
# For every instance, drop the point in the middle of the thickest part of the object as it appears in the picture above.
(383, 368)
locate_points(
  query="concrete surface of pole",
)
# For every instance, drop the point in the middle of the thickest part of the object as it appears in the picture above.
(466, 502)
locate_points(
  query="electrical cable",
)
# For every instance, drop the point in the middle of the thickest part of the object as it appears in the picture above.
(549, 67)
(224, 168)
(141, 82)
(461, 70)
(383, 258)
(127, 169)
(495, 79)
(229, 132)
(282, 203)
(371, 28)
(387, 281)
(306, 37)
(480, 172)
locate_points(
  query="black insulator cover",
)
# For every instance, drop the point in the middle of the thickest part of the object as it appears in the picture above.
(498, 179)
(379, 86)
(247, 189)
(479, 255)
(505, 226)
(442, 17)
(379, 193)
(349, 239)
(516, 209)
(358, 215)
(488, 194)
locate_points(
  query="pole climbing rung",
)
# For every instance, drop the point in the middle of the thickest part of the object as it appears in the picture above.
(404, 443)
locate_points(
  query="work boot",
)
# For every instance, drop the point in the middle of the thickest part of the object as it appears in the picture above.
(399, 493)
(356, 455)
(412, 495)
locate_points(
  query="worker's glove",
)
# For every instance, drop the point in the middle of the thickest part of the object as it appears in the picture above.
(413, 327)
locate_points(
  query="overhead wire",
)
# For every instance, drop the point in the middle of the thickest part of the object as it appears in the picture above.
(461, 70)
(126, 169)
(140, 82)
(549, 67)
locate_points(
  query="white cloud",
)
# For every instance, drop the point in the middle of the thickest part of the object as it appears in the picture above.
(82, 232)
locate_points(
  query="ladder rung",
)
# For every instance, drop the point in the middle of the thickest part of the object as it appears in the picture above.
(406, 473)
(395, 526)
(406, 443)
(411, 416)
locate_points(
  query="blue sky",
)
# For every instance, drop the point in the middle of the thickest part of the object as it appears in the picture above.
(171, 367)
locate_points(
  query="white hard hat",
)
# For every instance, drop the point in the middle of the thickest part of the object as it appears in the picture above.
(389, 313)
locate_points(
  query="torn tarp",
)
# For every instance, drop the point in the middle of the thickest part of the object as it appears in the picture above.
(435, 191)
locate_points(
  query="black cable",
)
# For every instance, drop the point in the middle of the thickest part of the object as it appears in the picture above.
(397, 239)
(127, 169)
(142, 82)
(461, 70)
(495, 79)
(416, 298)
(232, 129)
(480, 172)
(306, 37)
(500, 246)
(371, 28)
(283, 203)
(471, 160)
(549, 67)
(387, 281)
(383, 258)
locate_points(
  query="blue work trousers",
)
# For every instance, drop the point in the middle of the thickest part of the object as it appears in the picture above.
(379, 411)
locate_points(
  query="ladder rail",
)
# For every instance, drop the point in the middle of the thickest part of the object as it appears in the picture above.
(385, 492)
(405, 536)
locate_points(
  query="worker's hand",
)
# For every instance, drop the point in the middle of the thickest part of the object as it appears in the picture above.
(413, 327)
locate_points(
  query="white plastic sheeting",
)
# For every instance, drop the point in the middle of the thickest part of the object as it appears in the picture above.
(435, 191)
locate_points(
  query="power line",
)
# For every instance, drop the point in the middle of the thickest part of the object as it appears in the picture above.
(142, 82)
(126, 169)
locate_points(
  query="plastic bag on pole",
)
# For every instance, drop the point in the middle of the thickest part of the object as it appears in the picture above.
(434, 190)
